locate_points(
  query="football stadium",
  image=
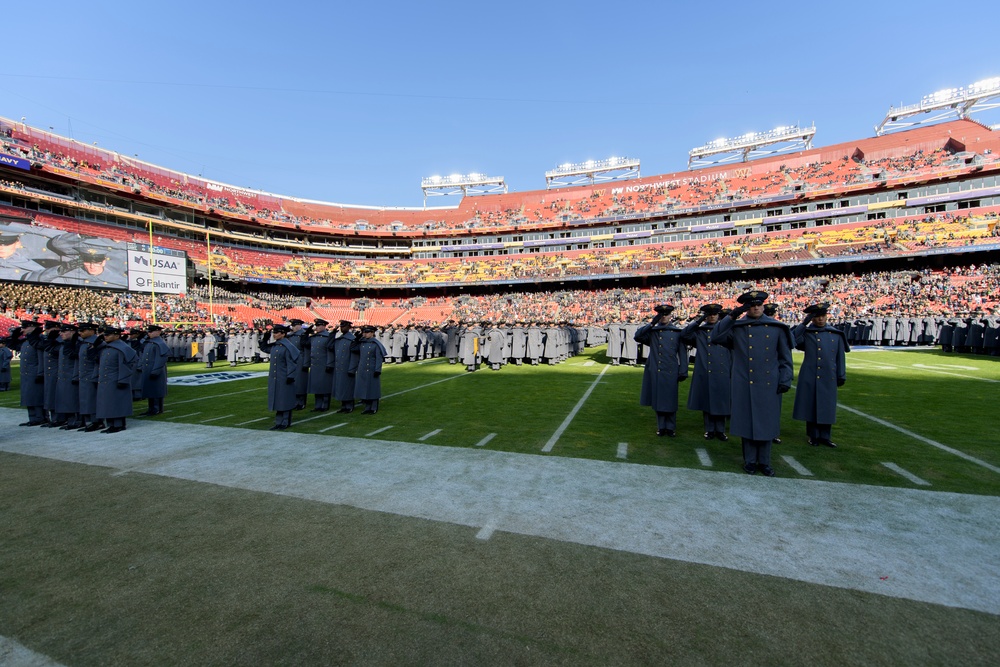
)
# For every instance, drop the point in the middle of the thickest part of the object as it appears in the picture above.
(244, 427)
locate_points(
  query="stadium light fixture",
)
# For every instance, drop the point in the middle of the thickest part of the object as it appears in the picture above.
(944, 104)
(592, 171)
(474, 183)
(750, 145)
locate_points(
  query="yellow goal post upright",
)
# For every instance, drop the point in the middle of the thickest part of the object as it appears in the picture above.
(152, 294)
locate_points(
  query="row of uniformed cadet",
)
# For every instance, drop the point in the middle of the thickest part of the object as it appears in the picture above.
(499, 344)
(743, 366)
(92, 386)
(328, 365)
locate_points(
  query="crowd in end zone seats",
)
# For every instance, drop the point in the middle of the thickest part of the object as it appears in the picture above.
(971, 291)
(676, 194)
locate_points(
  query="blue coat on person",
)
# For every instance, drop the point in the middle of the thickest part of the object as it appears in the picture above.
(762, 361)
(711, 385)
(666, 365)
(283, 365)
(823, 366)
(367, 355)
(153, 368)
(114, 380)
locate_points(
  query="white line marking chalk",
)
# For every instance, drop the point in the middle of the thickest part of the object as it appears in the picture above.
(429, 435)
(193, 414)
(906, 473)
(796, 466)
(622, 450)
(488, 437)
(703, 456)
(259, 419)
(330, 428)
(569, 418)
(377, 431)
(486, 532)
(216, 419)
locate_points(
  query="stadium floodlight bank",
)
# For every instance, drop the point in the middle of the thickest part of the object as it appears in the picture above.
(592, 171)
(462, 184)
(944, 104)
(784, 139)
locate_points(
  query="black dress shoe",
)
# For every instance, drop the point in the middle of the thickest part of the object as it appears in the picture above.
(69, 427)
(766, 471)
(114, 429)
(343, 411)
(776, 441)
(814, 442)
(368, 412)
(827, 443)
(317, 410)
(58, 424)
(749, 468)
(709, 435)
(29, 423)
(278, 427)
(96, 426)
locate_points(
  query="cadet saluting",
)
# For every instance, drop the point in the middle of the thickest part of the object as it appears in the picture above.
(711, 388)
(114, 380)
(367, 356)
(282, 373)
(666, 365)
(762, 372)
(823, 370)
(153, 370)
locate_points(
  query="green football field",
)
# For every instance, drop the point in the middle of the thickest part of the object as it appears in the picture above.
(929, 413)
(102, 566)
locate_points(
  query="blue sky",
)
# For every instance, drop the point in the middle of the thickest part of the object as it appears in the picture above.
(356, 102)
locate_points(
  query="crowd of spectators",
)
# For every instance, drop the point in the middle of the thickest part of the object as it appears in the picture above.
(716, 190)
(963, 291)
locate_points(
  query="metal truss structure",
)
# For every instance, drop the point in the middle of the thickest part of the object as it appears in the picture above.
(462, 184)
(945, 104)
(786, 139)
(592, 171)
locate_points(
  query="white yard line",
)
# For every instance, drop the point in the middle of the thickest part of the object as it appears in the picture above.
(569, 418)
(208, 398)
(398, 393)
(796, 466)
(377, 431)
(319, 416)
(330, 428)
(486, 532)
(213, 419)
(252, 421)
(488, 437)
(906, 473)
(193, 414)
(932, 443)
(703, 457)
(623, 450)
(429, 435)
(861, 366)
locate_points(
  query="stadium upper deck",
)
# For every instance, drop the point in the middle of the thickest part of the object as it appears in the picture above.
(936, 153)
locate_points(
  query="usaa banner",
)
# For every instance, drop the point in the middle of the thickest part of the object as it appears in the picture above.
(163, 271)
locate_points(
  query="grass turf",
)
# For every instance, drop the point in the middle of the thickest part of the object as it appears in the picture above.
(135, 569)
(942, 397)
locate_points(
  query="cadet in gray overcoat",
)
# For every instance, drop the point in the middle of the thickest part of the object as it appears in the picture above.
(321, 372)
(153, 370)
(114, 380)
(32, 370)
(5, 357)
(299, 336)
(88, 377)
(762, 372)
(666, 366)
(367, 356)
(823, 370)
(68, 380)
(711, 387)
(339, 359)
(283, 370)
(535, 343)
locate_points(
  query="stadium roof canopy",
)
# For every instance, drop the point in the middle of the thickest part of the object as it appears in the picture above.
(785, 139)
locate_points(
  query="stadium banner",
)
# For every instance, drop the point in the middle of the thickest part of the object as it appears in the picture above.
(164, 271)
(11, 161)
